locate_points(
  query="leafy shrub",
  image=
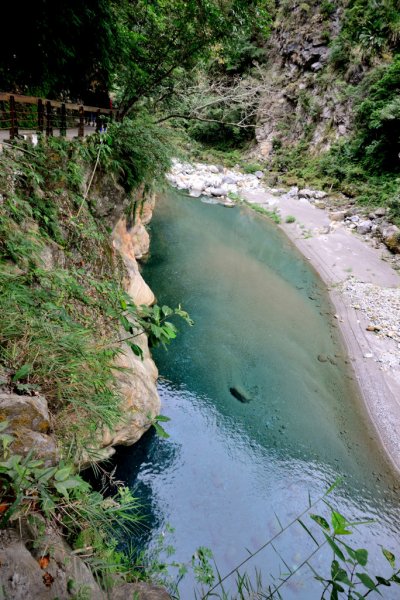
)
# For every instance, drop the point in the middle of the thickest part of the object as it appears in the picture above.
(136, 150)
(374, 26)
(377, 140)
(251, 168)
(327, 8)
(32, 491)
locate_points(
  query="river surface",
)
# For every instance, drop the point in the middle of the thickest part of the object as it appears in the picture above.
(230, 470)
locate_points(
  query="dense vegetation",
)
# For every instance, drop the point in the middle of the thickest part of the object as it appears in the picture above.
(184, 70)
(364, 65)
(64, 311)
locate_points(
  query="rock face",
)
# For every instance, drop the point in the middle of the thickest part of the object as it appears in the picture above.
(299, 98)
(137, 378)
(132, 243)
(29, 424)
(63, 575)
(22, 578)
(137, 382)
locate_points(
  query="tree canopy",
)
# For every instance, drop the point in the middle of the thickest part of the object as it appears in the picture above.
(80, 48)
(58, 48)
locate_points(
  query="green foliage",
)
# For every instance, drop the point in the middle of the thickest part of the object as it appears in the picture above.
(373, 27)
(159, 429)
(186, 31)
(69, 48)
(377, 141)
(290, 219)
(137, 151)
(49, 340)
(327, 8)
(60, 327)
(151, 320)
(251, 168)
(271, 214)
(31, 490)
(349, 567)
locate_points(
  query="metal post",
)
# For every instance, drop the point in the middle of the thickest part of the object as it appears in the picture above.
(13, 119)
(49, 125)
(98, 121)
(81, 129)
(63, 127)
(40, 110)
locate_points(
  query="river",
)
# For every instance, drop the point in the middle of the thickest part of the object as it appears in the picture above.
(230, 470)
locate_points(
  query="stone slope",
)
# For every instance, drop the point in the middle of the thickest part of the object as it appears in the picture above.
(305, 100)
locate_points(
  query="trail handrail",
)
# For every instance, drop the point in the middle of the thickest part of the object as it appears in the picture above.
(16, 113)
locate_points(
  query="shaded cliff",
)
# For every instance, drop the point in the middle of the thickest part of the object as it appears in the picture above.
(329, 115)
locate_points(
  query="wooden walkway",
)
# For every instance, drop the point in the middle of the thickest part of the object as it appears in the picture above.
(22, 115)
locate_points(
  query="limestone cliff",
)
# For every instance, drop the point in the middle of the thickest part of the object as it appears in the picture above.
(138, 376)
(306, 100)
(137, 381)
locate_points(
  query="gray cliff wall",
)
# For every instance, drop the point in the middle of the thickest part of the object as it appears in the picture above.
(305, 100)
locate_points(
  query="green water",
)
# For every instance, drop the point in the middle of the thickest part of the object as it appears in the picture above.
(262, 318)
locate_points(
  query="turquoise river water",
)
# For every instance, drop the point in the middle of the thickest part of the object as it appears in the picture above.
(229, 469)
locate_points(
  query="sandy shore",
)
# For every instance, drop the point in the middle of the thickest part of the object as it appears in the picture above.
(338, 256)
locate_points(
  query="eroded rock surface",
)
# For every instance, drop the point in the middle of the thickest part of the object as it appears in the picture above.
(37, 563)
(29, 424)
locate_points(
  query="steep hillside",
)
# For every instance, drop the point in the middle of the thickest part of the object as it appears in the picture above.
(331, 112)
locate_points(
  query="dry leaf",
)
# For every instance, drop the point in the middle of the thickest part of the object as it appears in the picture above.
(44, 561)
(48, 580)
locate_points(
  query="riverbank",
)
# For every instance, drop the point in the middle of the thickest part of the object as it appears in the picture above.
(362, 282)
(73, 384)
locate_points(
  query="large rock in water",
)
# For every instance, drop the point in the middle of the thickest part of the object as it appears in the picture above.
(29, 424)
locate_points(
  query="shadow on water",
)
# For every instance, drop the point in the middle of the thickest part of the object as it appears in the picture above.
(263, 327)
(149, 458)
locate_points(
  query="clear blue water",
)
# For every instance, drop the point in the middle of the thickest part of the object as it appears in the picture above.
(262, 318)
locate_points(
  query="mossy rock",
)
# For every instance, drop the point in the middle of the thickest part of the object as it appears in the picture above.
(393, 243)
(29, 424)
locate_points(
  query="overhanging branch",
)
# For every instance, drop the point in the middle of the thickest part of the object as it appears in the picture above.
(193, 117)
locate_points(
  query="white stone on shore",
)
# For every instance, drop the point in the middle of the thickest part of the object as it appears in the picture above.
(210, 180)
(381, 306)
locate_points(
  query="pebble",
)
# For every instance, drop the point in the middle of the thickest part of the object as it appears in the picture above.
(373, 328)
(381, 306)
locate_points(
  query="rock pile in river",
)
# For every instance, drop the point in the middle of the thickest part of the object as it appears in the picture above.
(211, 180)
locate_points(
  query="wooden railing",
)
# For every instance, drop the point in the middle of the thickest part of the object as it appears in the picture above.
(45, 116)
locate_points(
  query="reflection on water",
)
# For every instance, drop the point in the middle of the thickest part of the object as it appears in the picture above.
(261, 321)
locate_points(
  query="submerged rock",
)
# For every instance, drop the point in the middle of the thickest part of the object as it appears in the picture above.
(240, 395)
